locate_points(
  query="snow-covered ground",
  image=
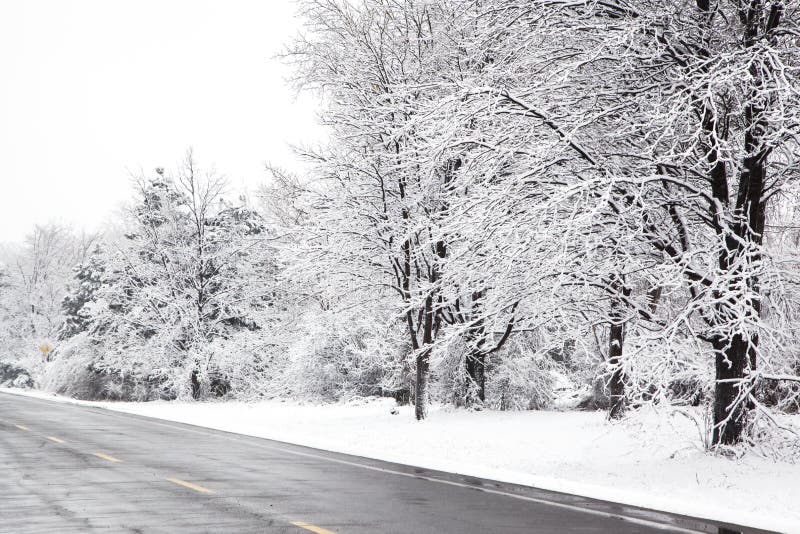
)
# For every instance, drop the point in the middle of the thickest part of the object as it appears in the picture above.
(650, 461)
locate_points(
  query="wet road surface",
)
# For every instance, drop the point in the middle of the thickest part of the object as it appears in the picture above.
(74, 469)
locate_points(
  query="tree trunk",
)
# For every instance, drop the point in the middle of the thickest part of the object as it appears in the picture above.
(616, 386)
(195, 385)
(735, 350)
(735, 356)
(730, 404)
(421, 387)
(729, 408)
(476, 355)
(476, 371)
(423, 362)
(616, 338)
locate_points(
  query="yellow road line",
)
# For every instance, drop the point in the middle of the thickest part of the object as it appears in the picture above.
(106, 457)
(51, 438)
(22, 427)
(312, 528)
(189, 485)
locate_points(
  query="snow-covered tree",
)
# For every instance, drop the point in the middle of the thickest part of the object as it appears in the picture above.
(36, 274)
(677, 122)
(88, 278)
(379, 207)
(192, 270)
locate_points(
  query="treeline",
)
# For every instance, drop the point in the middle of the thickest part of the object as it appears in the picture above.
(518, 199)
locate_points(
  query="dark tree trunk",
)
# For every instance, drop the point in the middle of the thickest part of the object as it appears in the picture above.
(423, 361)
(736, 355)
(421, 387)
(195, 385)
(729, 408)
(616, 386)
(476, 355)
(476, 371)
(616, 339)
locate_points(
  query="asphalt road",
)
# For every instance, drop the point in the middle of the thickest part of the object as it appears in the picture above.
(73, 469)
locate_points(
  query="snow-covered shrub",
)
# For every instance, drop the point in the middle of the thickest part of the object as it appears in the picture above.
(523, 374)
(449, 380)
(14, 375)
(74, 376)
(775, 435)
(521, 377)
(243, 367)
(78, 369)
(784, 395)
(337, 357)
(679, 373)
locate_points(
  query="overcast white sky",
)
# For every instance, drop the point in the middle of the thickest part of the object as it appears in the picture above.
(90, 89)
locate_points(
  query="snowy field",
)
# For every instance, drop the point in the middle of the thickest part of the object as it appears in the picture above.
(651, 461)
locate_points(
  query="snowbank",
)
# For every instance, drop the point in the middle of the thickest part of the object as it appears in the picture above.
(650, 461)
